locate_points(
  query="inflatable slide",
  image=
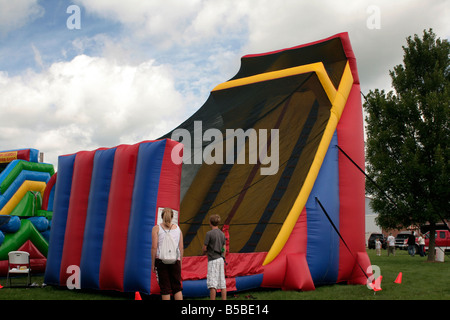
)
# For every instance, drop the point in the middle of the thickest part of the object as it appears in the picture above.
(25, 194)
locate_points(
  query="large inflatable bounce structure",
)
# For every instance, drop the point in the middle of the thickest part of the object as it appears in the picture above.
(26, 205)
(294, 222)
(302, 226)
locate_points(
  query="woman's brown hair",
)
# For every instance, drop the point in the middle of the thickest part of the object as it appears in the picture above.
(167, 215)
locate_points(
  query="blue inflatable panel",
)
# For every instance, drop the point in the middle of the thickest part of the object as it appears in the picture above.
(40, 223)
(195, 288)
(198, 288)
(138, 260)
(34, 154)
(8, 169)
(46, 235)
(51, 198)
(96, 217)
(12, 226)
(4, 219)
(61, 208)
(321, 235)
(249, 282)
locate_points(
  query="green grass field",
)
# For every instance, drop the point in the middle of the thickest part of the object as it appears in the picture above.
(421, 280)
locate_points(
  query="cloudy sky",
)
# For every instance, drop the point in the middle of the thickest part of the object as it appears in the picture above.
(82, 74)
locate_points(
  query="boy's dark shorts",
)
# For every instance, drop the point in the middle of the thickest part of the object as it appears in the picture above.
(169, 277)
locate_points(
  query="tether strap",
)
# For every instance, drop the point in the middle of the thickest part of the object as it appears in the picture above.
(379, 188)
(340, 236)
(367, 176)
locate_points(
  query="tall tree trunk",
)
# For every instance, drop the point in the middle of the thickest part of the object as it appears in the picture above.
(432, 243)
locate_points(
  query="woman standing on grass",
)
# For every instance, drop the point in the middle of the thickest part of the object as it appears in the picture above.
(168, 275)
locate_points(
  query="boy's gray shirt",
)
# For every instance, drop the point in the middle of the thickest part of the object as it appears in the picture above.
(214, 242)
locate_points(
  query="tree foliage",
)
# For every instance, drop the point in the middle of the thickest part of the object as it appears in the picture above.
(408, 137)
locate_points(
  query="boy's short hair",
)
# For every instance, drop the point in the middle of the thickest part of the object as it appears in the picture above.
(214, 220)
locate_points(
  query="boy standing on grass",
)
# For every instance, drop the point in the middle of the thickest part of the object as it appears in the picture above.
(214, 247)
(378, 247)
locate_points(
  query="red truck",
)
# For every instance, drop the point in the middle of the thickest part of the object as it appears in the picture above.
(442, 240)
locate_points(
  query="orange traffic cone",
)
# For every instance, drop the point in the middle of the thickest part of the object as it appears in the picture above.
(399, 278)
(376, 285)
(137, 296)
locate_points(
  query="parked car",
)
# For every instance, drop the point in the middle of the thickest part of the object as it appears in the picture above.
(442, 240)
(373, 237)
(401, 240)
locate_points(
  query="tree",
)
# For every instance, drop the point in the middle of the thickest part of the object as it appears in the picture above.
(408, 135)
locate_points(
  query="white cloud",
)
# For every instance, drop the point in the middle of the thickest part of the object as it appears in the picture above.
(17, 13)
(218, 20)
(175, 23)
(87, 103)
(164, 22)
(265, 25)
(37, 56)
(279, 24)
(138, 81)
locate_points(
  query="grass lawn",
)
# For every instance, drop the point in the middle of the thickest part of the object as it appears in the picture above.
(421, 280)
